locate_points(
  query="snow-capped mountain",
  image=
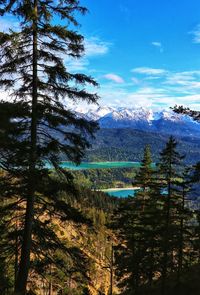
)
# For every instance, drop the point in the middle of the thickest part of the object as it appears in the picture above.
(100, 112)
(95, 113)
(165, 121)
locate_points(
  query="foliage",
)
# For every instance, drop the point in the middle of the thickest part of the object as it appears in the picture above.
(36, 126)
(156, 228)
(128, 145)
(104, 178)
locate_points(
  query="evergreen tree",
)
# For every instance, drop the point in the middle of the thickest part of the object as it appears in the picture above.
(187, 111)
(168, 173)
(37, 127)
(144, 175)
(154, 227)
(195, 221)
(137, 224)
(143, 178)
(184, 219)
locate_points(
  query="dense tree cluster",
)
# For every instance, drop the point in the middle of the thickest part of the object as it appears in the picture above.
(128, 145)
(157, 228)
(57, 235)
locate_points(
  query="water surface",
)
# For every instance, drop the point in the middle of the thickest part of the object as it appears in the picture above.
(122, 193)
(96, 165)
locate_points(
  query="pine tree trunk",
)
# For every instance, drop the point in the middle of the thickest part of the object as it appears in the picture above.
(180, 258)
(151, 267)
(24, 264)
(111, 271)
(16, 252)
(166, 238)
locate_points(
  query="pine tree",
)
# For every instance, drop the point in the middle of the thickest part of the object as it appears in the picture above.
(143, 178)
(169, 171)
(144, 175)
(183, 219)
(195, 115)
(195, 220)
(36, 126)
(137, 224)
(187, 111)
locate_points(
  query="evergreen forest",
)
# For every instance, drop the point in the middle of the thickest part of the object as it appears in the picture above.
(60, 233)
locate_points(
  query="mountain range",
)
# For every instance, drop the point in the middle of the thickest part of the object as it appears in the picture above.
(164, 121)
(124, 132)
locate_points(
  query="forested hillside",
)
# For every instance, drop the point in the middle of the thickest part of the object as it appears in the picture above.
(128, 144)
(60, 233)
(72, 255)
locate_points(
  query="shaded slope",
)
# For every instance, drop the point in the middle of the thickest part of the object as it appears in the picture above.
(128, 144)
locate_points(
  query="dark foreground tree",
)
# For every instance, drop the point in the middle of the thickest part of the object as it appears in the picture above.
(137, 224)
(187, 111)
(144, 177)
(154, 227)
(168, 173)
(37, 126)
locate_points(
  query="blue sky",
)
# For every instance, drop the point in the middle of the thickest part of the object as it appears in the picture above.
(142, 52)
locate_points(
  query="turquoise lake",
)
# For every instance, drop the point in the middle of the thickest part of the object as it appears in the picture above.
(121, 193)
(96, 165)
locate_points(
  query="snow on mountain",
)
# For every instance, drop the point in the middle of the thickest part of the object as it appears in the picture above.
(116, 113)
(99, 113)
(94, 113)
(134, 114)
(165, 121)
(131, 114)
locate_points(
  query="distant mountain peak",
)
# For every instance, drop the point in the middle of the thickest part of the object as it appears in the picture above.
(164, 121)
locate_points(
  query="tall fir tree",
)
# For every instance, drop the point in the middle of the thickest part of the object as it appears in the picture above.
(168, 172)
(37, 126)
(137, 224)
(143, 178)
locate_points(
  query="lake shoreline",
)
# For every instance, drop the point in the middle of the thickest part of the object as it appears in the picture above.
(107, 162)
(118, 189)
(100, 165)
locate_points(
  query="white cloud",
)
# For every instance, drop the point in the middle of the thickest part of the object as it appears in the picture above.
(114, 78)
(158, 45)
(196, 34)
(183, 82)
(151, 90)
(152, 78)
(122, 97)
(77, 64)
(135, 81)
(149, 71)
(172, 88)
(147, 97)
(95, 47)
